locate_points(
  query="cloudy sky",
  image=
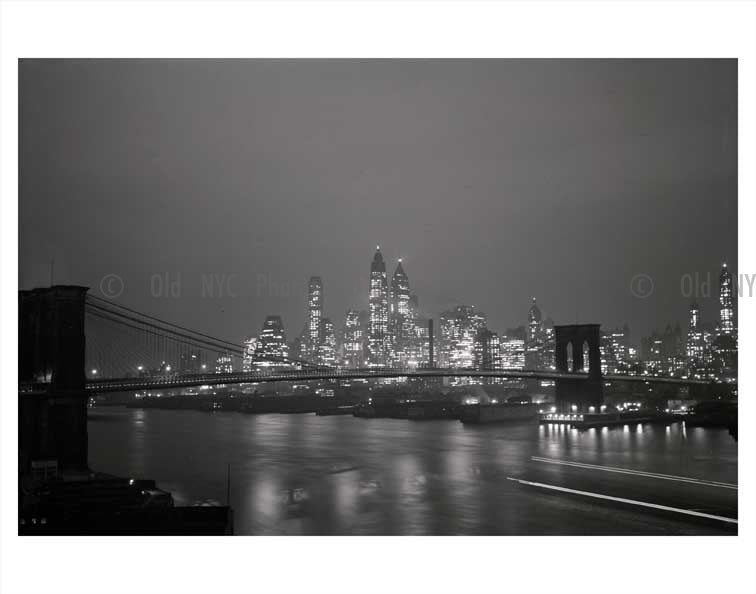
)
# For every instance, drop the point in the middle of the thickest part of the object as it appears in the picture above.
(494, 180)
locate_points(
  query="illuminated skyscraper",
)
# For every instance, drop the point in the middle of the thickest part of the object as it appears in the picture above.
(327, 346)
(378, 299)
(487, 350)
(548, 359)
(512, 353)
(534, 342)
(726, 314)
(315, 314)
(401, 319)
(614, 350)
(459, 328)
(725, 343)
(419, 350)
(535, 326)
(271, 344)
(695, 344)
(354, 340)
(400, 291)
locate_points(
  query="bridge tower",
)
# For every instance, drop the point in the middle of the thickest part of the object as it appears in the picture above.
(52, 420)
(586, 389)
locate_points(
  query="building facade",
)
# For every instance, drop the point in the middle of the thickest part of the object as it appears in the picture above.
(378, 302)
(726, 308)
(402, 313)
(459, 327)
(353, 339)
(271, 349)
(314, 317)
(513, 353)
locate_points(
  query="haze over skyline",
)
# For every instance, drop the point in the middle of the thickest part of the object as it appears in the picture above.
(494, 180)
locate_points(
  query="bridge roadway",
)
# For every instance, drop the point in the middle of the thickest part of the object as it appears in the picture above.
(214, 379)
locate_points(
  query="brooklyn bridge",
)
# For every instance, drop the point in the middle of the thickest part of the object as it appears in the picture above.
(73, 345)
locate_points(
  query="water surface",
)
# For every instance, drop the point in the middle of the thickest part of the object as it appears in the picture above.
(304, 474)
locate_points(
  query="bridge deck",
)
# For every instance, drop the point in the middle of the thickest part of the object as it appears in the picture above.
(214, 379)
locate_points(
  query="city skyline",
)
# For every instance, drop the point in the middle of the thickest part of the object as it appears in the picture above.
(705, 292)
(395, 332)
(387, 152)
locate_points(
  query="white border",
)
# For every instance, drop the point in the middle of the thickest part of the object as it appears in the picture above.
(417, 29)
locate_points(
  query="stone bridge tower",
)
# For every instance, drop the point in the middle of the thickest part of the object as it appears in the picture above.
(578, 352)
(52, 419)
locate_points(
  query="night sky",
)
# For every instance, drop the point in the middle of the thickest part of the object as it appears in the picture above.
(494, 180)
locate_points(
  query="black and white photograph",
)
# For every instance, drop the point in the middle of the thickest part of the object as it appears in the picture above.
(510, 358)
(382, 296)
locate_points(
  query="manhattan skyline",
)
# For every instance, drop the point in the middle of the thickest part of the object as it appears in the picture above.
(495, 181)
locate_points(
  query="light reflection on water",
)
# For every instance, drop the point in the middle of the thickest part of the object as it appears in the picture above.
(304, 474)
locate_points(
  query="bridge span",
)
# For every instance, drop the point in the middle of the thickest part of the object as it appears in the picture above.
(215, 379)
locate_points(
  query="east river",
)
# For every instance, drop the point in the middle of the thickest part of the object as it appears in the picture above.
(304, 474)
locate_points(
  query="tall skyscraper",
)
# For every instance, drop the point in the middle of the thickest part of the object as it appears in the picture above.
(487, 350)
(419, 354)
(315, 315)
(378, 299)
(534, 322)
(271, 345)
(695, 344)
(726, 313)
(401, 319)
(534, 341)
(327, 346)
(354, 339)
(400, 291)
(724, 345)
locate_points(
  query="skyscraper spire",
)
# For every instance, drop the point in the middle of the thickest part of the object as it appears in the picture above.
(401, 322)
(378, 299)
(378, 264)
(726, 313)
(400, 291)
(534, 337)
